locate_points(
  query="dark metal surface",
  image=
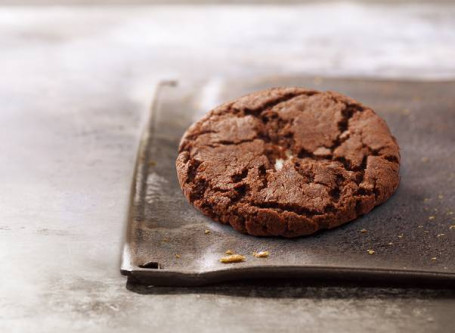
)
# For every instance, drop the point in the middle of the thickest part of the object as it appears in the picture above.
(166, 242)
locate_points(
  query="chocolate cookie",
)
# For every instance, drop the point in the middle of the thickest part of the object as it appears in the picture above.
(288, 162)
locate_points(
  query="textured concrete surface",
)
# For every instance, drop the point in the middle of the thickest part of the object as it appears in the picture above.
(74, 87)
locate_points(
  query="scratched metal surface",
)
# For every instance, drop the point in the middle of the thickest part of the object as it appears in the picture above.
(410, 233)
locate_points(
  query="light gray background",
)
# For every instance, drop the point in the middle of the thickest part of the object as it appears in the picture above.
(75, 85)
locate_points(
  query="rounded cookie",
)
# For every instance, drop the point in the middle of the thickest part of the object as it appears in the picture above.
(288, 162)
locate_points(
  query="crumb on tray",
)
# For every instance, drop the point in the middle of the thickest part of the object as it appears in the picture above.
(232, 258)
(371, 251)
(261, 254)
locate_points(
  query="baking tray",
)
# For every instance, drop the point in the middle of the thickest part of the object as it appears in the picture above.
(169, 243)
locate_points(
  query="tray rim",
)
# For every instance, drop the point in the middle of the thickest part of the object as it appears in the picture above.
(371, 276)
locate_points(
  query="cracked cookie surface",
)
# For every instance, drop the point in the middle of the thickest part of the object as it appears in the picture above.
(288, 162)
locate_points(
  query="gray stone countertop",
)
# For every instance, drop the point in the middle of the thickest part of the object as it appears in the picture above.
(75, 86)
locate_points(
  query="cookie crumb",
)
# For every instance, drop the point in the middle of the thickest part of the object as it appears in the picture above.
(452, 227)
(426, 199)
(152, 163)
(232, 258)
(206, 231)
(440, 235)
(450, 212)
(261, 254)
(390, 243)
(434, 258)
(177, 256)
(420, 226)
(363, 231)
(229, 252)
(440, 196)
(165, 240)
(425, 159)
(371, 251)
(400, 236)
(432, 217)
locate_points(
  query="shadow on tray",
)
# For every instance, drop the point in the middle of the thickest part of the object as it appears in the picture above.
(298, 289)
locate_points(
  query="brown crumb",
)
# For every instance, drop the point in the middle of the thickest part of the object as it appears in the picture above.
(452, 227)
(152, 163)
(440, 235)
(165, 240)
(261, 254)
(206, 231)
(440, 196)
(431, 217)
(370, 251)
(450, 212)
(390, 243)
(426, 199)
(364, 231)
(177, 256)
(400, 236)
(229, 252)
(232, 258)
(424, 159)
(434, 258)
(420, 226)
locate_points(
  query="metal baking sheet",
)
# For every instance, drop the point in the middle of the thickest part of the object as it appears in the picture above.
(412, 234)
